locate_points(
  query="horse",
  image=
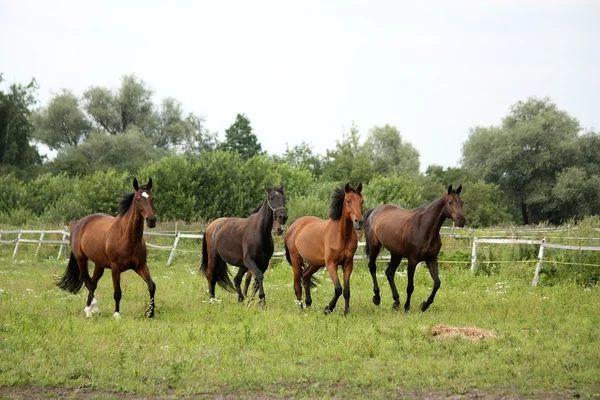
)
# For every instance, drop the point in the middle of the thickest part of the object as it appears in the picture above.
(326, 243)
(413, 234)
(278, 230)
(114, 243)
(243, 242)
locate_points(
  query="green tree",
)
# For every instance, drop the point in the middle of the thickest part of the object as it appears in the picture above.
(240, 139)
(16, 127)
(348, 162)
(389, 154)
(523, 157)
(302, 156)
(62, 123)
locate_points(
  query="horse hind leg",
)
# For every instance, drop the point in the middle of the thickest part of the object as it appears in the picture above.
(390, 272)
(144, 273)
(373, 253)
(116, 276)
(98, 272)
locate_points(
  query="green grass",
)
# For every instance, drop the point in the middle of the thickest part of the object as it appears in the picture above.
(548, 337)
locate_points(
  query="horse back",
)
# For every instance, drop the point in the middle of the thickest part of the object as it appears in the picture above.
(228, 237)
(396, 228)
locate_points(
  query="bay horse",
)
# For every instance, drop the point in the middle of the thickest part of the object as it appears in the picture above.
(278, 230)
(243, 242)
(326, 243)
(414, 235)
(114, 243)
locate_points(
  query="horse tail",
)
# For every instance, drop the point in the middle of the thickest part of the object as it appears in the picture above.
(71, 281)
(204, 260)
(220, 272)
(366, 218)
(287, 253)
(312, 283)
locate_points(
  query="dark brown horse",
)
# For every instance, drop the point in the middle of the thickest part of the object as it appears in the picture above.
(412, 234)
(116, 243)
(326, 243)
(243, 242)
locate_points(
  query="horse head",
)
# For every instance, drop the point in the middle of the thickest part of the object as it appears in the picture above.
(144, 201)
(453, 206)
(353, 204)
(276, 202)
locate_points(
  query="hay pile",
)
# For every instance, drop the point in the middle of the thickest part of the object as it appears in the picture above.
(472, 333)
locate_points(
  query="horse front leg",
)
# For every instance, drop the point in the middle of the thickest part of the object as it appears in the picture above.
(348, 266)
(144, 272)
(373, 253)
(237, 281)
(92, 302)
(433, 271)
(332, 269)
(116, 277)
(307, 275)
(390, 272)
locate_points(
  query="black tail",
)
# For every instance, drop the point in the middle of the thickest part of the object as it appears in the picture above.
(71, 281)
(365, 218)
(287, 253)
(204, 260)
(313, 281)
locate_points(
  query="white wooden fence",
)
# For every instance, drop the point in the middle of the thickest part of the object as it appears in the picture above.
(540, 260)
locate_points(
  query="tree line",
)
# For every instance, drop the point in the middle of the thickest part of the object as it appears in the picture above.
(538, 165)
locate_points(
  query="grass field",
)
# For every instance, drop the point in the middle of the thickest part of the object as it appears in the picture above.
(547, 340)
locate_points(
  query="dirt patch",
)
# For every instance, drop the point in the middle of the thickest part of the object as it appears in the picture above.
(472, 333)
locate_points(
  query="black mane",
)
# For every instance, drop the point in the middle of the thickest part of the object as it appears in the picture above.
(337, 202)
(127, 200)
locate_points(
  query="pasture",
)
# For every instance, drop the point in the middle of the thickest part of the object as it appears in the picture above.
(547, 341)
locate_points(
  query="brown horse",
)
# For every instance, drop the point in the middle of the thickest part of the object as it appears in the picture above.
(111, 242)
(243, 242)
(412, 234)
(326, 243)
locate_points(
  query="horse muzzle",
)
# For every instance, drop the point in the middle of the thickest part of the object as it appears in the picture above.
(359, 224)
(151, 222)
(282, 219)
(279, 230)
(460, 221)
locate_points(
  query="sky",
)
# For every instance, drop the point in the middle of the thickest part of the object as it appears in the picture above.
(305, 71)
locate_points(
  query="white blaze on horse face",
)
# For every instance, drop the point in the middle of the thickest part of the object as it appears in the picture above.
(146, 195)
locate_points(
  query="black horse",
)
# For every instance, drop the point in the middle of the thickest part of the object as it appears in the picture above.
(244, 242)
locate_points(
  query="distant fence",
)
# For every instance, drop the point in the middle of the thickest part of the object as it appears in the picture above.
(542, 243)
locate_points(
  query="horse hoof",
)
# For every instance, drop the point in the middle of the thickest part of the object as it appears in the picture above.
(262, 303)
(376, 300)
(116, 315)
(396, 306)
(406, 307)
(298, 303)
(88, 312)
(424, 306)
(150, 312)
(95, 308)
(240, 300)
(327, 310)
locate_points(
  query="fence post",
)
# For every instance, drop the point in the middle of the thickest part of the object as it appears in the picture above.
(538, 267)
(39, 244)
(64, 237)
(173, 249)
(17, 243)
(474, 255)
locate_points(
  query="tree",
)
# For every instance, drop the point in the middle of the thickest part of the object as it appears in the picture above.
(388, 154)
(524, 156)
(240, 139)
(62, 123)
(348, 162)
(16, 126)
(114, 113)
(302, 156)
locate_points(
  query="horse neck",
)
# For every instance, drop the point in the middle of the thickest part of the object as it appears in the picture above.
(133, 222)
(265, 220)
(346, 225)
(433, 218)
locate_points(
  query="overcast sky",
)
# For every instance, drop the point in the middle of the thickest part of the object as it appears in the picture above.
(305, 70)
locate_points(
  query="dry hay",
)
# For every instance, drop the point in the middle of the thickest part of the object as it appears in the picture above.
(445, 331)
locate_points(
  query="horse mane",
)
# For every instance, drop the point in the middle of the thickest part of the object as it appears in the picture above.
(127, 200)
(337, 202)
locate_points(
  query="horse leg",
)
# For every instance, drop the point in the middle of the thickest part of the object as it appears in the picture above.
(297, 270)
(258, 275)
(98, 272)
(307, 278)
(390, 272)
(87, 280)
(116, 276)
(373, 253)
(237, 281)
(410, 286)
(247, 283)
(347, 272)
(144, 272)
(332, 269)
(433, 271)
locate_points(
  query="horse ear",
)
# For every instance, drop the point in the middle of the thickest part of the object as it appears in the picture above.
(449, 189)
(149, 184)
(267, 189)
(459, 189)
(136, 185)
(347, 187)
(359, 188)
